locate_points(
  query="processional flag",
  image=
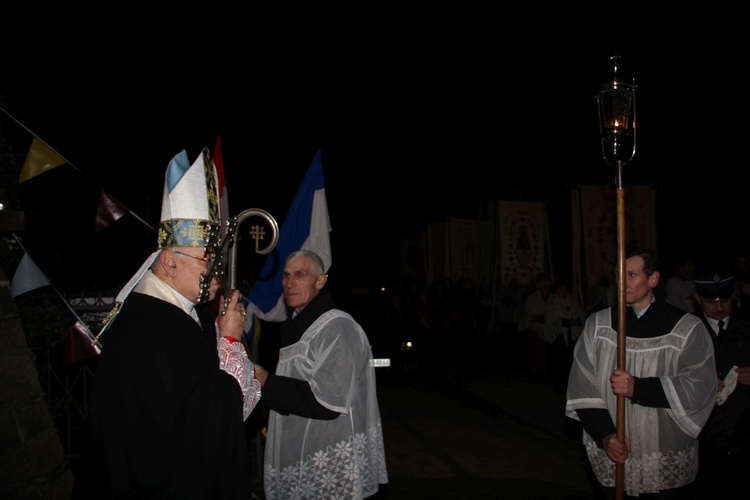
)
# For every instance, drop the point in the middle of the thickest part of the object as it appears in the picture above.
(110, 211)
(306, 227)
(27, 277)
(218, 158)
(40, 159)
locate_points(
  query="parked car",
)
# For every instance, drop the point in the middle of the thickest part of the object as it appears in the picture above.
(392, 336)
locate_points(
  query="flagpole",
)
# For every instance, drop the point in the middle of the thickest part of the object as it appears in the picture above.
(621, 333)
(144, 222)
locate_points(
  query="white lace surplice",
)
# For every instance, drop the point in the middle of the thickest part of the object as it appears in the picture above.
(664, 450)
(340, 458)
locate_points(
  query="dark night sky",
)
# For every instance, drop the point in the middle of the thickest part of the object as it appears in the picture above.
(411, 131)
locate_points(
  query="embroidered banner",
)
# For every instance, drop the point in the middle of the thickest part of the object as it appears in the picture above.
(524, 242)
(469, 245)
(599, 226)
(459, 249)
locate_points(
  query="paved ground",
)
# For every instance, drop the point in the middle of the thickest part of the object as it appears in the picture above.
(500, 434)
(440, 448)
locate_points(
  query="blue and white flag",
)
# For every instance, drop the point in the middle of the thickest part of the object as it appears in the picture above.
(306, 227)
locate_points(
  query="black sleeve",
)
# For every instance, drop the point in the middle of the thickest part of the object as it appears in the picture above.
(649, 392)
(597, 423)
(287, 395)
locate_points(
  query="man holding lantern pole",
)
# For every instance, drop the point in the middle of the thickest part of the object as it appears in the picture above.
(669, 383)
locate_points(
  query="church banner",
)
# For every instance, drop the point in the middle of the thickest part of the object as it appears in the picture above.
(469, 243)
(524, 240)
(599, 226)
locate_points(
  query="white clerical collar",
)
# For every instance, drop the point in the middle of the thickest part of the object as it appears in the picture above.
(643, 311)
(187, 304)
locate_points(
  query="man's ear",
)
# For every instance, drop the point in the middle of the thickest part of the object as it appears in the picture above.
(322, 279)
(653, 280)
(168, 262)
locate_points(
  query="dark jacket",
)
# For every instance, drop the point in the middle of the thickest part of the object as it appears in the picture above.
(728, 427)
(289, 395)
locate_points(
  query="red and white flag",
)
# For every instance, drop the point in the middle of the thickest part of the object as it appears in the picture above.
(223, 197)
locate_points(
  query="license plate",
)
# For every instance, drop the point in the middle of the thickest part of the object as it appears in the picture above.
(381, 363)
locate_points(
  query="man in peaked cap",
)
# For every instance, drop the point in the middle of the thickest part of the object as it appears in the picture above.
(715, 286)
(725, 439)
(169, 403)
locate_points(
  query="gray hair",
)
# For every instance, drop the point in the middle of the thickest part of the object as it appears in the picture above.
(310, 255)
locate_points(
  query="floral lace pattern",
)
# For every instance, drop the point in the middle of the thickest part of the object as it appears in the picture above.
(341, 471)
(645, 474)
(664, 445)
(233, 360)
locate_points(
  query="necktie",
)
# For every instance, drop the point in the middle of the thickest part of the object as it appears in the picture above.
(721, 327)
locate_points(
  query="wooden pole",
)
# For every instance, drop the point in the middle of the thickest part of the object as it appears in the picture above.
(621, 305)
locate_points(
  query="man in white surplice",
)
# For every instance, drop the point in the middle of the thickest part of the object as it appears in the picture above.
(669, 383)
(324, 438)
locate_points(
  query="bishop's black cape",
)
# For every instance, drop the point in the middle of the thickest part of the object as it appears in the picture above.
(165, 421)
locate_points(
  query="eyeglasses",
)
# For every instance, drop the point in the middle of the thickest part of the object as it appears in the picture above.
(207, 260)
